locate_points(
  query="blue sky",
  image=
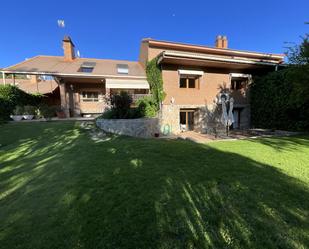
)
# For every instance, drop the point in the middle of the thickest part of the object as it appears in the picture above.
(114, 29)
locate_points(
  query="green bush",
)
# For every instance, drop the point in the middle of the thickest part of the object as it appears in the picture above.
(29, 110)
(147, 107)
(5, 110)
(121, 107)
(12, 96)
(18, 110)
(280, 100)
(46, 111)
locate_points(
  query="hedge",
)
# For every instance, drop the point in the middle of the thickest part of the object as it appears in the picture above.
(11, 96)
(280, 100)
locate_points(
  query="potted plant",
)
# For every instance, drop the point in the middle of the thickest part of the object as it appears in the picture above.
(60, 112)
(17, 113)
(29, 112)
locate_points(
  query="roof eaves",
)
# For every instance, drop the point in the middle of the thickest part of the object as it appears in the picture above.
(222, 50)
(166, 54)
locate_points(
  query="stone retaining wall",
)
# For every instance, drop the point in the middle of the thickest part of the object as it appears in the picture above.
(141, 127)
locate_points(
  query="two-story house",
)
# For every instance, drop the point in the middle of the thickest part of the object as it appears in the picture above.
(193, 76)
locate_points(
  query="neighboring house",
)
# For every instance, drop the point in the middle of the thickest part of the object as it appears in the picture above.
(84, 82)
(193, 76)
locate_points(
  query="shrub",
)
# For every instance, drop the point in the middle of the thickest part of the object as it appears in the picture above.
(29, 110)
(5, 110)
(147, 107)
(12, 96)
(18, 110)
(46, 111)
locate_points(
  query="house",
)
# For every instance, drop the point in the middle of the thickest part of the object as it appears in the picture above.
(193, 77)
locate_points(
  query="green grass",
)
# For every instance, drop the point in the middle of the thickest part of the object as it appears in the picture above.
(60, 189)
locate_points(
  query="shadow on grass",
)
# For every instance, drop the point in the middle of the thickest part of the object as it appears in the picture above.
(59, 189)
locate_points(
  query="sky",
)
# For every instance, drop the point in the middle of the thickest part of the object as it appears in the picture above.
(114, 29)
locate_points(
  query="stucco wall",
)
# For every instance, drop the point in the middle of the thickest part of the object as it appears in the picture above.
(141, 127)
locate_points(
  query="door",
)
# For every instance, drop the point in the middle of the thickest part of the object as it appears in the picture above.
(186, 118)
(236, 114)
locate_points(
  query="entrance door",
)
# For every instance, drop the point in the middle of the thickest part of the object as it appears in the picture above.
(186, 120)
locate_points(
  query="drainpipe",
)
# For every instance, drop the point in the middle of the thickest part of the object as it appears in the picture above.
(3, 77)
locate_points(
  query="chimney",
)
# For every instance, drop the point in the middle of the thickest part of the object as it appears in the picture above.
(68, 48)
(221, 41)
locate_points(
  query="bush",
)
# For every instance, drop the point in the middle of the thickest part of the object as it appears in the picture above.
(46, 111)
(5, 110)
(12, 96)
(121, 107)
(147, 107)
(280, 100)
(29, 110)
(18, 110)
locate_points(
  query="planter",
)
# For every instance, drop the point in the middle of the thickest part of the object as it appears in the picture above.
(28, 117)
(60, 114)
(17, 117)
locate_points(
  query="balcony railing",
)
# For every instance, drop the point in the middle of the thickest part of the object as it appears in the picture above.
(135, 96)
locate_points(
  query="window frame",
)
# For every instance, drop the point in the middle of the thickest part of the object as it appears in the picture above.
(196, 79)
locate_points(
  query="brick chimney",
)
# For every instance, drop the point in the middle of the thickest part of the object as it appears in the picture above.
(221, 41)
(68, 48)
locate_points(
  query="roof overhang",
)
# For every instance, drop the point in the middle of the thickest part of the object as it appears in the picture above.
(182, 58)
(213, 50)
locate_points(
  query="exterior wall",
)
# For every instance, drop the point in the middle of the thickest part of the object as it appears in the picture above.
(141, 127)
(72, 103)
(210, 85)
(203, 99)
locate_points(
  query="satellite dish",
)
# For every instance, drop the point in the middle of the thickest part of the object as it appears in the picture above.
(78, 53)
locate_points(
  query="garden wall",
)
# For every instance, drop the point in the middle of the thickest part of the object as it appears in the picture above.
(140, 127)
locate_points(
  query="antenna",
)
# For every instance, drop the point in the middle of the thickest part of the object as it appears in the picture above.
(61, 23)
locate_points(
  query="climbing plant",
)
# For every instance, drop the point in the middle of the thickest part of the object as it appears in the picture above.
(154, 77)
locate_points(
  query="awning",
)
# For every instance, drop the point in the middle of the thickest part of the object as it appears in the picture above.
(240, 75)
(127, 84)
(190, 72)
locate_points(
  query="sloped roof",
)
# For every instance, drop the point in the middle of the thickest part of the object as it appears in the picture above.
(55, 65)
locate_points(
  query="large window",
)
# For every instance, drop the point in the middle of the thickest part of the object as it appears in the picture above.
(188, 82)
(90, 96)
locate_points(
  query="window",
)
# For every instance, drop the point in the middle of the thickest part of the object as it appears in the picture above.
(90, 96)
(237, 84)
(188, 82)
(122, 69)
(87, 67)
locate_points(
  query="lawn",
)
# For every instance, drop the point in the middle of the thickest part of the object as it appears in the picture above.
(61, 189)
